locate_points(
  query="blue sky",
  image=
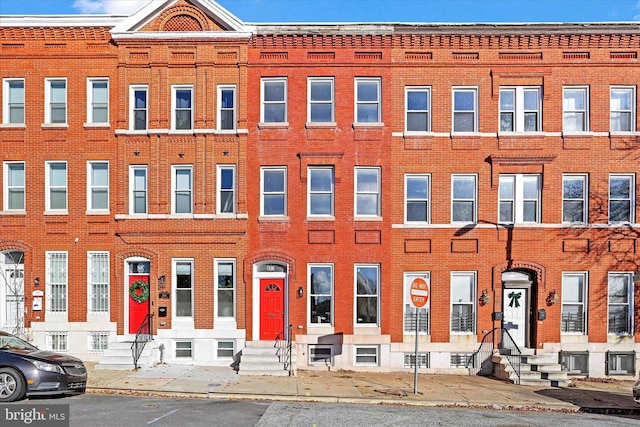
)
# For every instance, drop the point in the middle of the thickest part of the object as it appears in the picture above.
(370, 10)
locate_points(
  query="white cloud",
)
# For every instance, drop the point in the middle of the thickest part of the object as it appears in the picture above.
(109, 6)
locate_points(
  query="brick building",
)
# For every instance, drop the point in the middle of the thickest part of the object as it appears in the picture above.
(248, 177)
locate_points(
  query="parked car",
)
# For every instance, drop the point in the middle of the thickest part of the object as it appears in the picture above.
(27, 371)
(636, 390)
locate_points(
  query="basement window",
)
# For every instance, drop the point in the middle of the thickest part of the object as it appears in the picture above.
(184, 349)
(619, 363)
(462, 360)
(410, 360)
(320, 355)
(575, 362)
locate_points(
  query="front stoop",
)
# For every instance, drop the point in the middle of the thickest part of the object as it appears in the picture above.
(264, 358)
(118, 356)
(535, 370)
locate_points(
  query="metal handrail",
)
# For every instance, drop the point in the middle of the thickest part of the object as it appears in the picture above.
(510, 349)
(481, 358)
(284, 347)
(143, 336)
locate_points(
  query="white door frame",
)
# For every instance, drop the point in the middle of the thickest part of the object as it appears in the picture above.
(517, 280)
(255, 292)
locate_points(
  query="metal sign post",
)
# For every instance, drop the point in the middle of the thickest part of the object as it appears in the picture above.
(415, 365)
(419, 293)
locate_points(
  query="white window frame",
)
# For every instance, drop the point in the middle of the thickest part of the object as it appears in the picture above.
(615, 361)
(264, 103)
(574, 300)
(358, 355)
(568, 198)
(98, 341)
(8, 103)
(630, 110)
(94, 105)
(320, 355)
(628, 277)
(415, 199)
(216, 274)
(519, 111)
(133, 190)
(410, 311)
(50, 188)
(133, 109)
(221, 209)
(457, 301)
(367, 102)
(630, 199)
(421, 112)
(367, 193)
(361, 322)
(48, 102)
(321, 192)
(177, 290)
(185, 349)
(458, 199)
(569, 110)
(459, 111)
(222, 348)
(58, 341)
(311, 103)
(313, 319)
(264, 194)
(10, 187)
(223, 109)
(98, 282)
(175, 191)
(96, 189)
(175, 109)
(57, 285)
(518, 199)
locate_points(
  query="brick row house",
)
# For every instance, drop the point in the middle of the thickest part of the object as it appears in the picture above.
(241, 183)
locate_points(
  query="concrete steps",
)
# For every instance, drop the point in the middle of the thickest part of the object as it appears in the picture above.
(535, 370)
(118, 356)
(264, 358)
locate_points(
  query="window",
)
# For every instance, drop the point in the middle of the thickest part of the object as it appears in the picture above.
(463, 195)
(367, 356)
(55, 98)
(463, 287)
(57, 276)
(574, 198)
(574, 290)
(520, 109)
(368, 101)
(622, 108)
(575, 109)
(14, 186)
(226, 284)
(184, 288)
(320, 100)
(575, 362)
(13, 101)
(367, 192)
(367, 289)
(519, 198)
(98, 100)
(226, 107)
(410, 360)
(56, 184)
(320, 355)
(98, 186)
(465, 110)
(57, 341)
(98, 276)
(410, 311)
(138, 185)
(184, 349)
(182, 100)
(621, 200)
(273, 192)
(274, 100)
(462, 360)
(139, 105)
(226, 186)
(619, 363)
(98, 342)
(418, 109)
(320, 191)
(620, 303)
(417, 195)
(320, 294)
(182, 183)
(225, 350)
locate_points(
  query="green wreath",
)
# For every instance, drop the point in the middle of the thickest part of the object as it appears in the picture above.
(139, 291)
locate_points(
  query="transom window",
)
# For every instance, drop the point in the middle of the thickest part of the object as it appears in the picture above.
(273, 192)
(519, 198)
(418, 109)
(14, 186)
(13, 101)
(575, 108)
(320, 100)
(321, 191)
(274, 100)
(368, 100)
(367, 192)
(520, 109)
(622, 108)
(182, 107)
(464, 198)
(621, 198)
(574, 198)
(465, 109)
(417, 196)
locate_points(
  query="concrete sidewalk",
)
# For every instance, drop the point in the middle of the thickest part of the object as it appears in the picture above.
(396, 388)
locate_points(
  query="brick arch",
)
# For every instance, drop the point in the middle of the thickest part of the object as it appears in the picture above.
(138, 252)
(522, 266)
(269, 256)
(14, 245)
(182, 17)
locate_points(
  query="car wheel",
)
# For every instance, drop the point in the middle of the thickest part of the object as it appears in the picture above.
(11, 385)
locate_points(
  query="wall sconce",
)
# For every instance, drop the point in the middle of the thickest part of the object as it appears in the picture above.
(552, 298)
(36, 282)
(161, 282)
(485, 298)
(300, 292)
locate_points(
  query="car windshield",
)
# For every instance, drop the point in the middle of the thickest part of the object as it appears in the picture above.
(14, 343)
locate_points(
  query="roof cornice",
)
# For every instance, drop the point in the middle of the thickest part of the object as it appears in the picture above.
(61, 20)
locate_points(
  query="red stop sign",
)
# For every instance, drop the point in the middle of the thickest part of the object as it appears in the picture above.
(419, 292)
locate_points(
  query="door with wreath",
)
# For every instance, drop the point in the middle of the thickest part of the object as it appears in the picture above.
(138, 296)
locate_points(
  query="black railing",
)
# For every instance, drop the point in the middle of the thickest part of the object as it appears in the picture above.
(481, 358)
(410, 321)
(510, 349)
(284, 346)
(620, 325)
(143, 336)
(480, 361)
(573, 322)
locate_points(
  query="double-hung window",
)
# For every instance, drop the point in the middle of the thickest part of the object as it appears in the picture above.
(367, 294)
(139, 107)
(321, 191)
(320, 278)
(98, 274)
(418, 109)
(575, 109)
(574, 291)
(182, 107)
(273, 191)
(14, 186)
(55, 99)
(57, 280)
(226, 107)
(13, 101)
(367, 192)
(620, 303)
(464, 190)
(622, 109)
(417, 196)
(368, 100)
(98, 100)
(182, 185)
(574, 198)
(225, 272)
(621, 198)
(226, 189)
(98, 186)
(409, 310)
(320, 94)
(56, 185)
(183, 271)
(519, 198)
(463, 286)
(465, 109)
(274, 100)
(138, 187)
(520, 109)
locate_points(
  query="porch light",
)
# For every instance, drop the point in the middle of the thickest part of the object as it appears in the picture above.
(161, 282)
(36, 282)
(300, 292)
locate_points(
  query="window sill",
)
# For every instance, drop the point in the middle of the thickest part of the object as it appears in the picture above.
(274, 219)
(55, 126)
(368, 218)
(14, 212)
(13, 126)
(361, 125)
(97, 213)
(97, 125)
(60, 212)
(273, 125)
(321, 125)
(321, 218)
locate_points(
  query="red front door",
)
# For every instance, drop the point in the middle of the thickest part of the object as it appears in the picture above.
(271, 309)
(137, 310)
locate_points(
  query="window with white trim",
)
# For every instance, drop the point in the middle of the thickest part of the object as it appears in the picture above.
(273, 100)
(367, 283)
(366, 355)
(622, 108)
(57, 281)
(465, 109)
(273, 191)
(417, 109)
(520, 109)
(519, 198)
(226, 189)
(464, 190)
(621, 198)
(620, 303)
(225, 272)
(410, 360)
(225, 349)
(182, 107)
(56, 186)
(98, 186)
(13, 103)
(417, 197)
(320, 355)
(574, 198)
(138, 189)
(184, 349)
(183, 270)
(57, 341)
(98, 342)
(410, 311)
(574, 303)
(226, 107)
(182, 189)
(98, 276)
(14, 186)
(462, 360)
(138, 107)
(367, 192)
(321, 191)
(463, 290)
(575, 108)
(98, 100)
(55, 101)
(621, 363)
(368, 100)
(320, 284)
(575, 362)
(320, 95)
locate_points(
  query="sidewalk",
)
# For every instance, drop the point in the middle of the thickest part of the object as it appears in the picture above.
(394, 388)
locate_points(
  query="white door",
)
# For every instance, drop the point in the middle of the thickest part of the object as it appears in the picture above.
(515, 303)
(13, 279)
